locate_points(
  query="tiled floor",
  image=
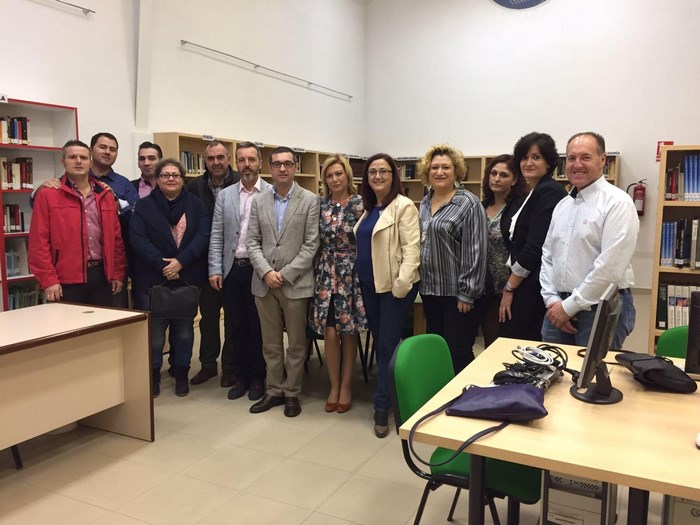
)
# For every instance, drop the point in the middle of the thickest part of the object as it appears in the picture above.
(214, 462)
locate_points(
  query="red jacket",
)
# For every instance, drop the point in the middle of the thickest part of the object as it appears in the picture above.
(58, 246)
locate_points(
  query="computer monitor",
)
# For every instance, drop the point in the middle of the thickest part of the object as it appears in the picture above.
(600, 392)
(692, 353)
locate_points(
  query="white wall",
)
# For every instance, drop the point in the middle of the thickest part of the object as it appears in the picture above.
(55, 54)
(480, 76)
(321, 41)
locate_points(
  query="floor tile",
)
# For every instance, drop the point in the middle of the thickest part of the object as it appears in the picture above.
(299, 483)
(339, 450)
(372, 501)
(276, 435)
(113, 518)
(14, 494)
(234, 467)
(388, 464)
(323, 519)
(178, 500)
(247, 509)
(53, 509)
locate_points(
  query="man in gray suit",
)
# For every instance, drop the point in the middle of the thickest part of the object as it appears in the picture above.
(230, 270)
(282, 242)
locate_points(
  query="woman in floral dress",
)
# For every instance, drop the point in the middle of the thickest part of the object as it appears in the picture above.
(337, 310)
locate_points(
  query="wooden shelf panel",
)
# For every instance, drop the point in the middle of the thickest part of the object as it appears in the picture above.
(681, 204)
(675, 269)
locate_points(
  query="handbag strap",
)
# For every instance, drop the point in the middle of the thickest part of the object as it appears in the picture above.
(461, 448)
(178, 279)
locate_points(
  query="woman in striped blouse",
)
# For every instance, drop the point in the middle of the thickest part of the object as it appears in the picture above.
(452, 253)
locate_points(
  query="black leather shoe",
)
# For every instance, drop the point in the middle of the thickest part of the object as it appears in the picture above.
(238, 389)
(257, 390)
(204, 375)
(228, 378)
(266, 403)
(292, 408)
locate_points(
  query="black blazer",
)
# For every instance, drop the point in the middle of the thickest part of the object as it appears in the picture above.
(531, 229)
(200, 188)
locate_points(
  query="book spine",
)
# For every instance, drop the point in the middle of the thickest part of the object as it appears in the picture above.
(662, 307)
(671, 306)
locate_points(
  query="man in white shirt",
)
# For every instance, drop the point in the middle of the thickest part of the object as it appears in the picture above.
(230, 270)
(590, 244)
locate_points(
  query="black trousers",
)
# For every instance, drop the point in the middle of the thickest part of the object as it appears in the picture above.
(458, 329)
(243, 348)
(97, 291)
(210, 304)
(527, 315)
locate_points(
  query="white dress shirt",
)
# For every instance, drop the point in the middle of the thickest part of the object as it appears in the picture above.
(245, 200)
(589, 245)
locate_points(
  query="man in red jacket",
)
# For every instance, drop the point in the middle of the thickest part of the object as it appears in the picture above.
(75, 245)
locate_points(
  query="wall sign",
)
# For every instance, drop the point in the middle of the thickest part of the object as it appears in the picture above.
(519, 4)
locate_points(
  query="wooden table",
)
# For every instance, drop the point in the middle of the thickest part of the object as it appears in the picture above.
(61, 363)
(645, 442)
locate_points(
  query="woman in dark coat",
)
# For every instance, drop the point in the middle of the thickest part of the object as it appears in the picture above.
(169, 232)
(524, 229)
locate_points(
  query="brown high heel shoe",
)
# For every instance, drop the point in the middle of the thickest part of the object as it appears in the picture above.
(344, 407)
(332, 407)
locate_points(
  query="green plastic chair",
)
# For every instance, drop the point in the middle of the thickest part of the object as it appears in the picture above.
(420, 367)
(673, 342)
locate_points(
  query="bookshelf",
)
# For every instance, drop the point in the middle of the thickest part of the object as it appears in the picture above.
(186, 147)
(673, 272)
(32, 135)
(611, 171)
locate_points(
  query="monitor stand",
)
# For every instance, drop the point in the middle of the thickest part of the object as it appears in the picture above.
(600, 392)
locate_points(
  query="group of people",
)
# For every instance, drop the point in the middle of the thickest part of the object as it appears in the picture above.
(527, 262)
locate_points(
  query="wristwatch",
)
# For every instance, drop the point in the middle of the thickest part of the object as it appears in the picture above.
(508, 288)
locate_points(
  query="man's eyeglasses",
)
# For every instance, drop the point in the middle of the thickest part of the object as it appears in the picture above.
(175, 176)
(381, 171)
(287, 164)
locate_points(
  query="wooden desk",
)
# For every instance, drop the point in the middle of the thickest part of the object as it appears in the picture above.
(61, 363)
(646, 442)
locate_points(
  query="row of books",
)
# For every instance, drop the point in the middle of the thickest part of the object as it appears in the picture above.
(683, 180)
(679, 243)
(17, 174)
(13, 218)
(673, 305)
(15, 130)
(13, 263)
(20, 298)
(192, 162)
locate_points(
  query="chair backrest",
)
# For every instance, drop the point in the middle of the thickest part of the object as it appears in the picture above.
(673, 342)
(420, 367)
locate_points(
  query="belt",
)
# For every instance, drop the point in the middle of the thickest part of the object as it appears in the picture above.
(241, 262)
(93, 264)
(621, 291)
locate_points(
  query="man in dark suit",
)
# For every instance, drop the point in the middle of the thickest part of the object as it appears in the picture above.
(149, 155)
(207, 187)
(282, 242)
(231, 272)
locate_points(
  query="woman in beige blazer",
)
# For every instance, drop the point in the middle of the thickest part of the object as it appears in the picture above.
(388, 238)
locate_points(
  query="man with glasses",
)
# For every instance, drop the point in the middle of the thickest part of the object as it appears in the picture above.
(75, 245)
(207, 187)
(230, 270)
(282, 242)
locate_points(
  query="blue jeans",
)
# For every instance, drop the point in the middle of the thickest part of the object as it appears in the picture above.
(584, 325)
(181, 337)
(386, 315)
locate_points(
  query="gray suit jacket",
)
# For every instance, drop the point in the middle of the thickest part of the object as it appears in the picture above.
(226, 228)
(290, 252)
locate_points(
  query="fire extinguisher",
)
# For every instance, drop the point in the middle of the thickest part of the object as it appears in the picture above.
(638, 195)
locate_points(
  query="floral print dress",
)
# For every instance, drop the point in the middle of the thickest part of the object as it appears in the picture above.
(335, 273)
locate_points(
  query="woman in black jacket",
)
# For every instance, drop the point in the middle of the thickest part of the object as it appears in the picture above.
(524, 229)
(169, 232)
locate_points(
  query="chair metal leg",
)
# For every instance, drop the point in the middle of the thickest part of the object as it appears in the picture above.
(494, 511)
(309, 349)
(423, 501)
(16, 457)
(454, 505)
(371, 351)
(513, 512)
(363, 357)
